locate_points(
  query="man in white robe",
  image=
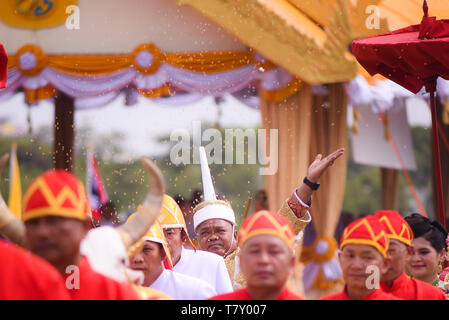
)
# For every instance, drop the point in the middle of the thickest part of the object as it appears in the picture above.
(150, 258)
(196, 263)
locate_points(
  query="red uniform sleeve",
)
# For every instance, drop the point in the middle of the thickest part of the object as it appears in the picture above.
(334, 296)
(24, 276)
(427, 291)
(95, 286)
(126, 292)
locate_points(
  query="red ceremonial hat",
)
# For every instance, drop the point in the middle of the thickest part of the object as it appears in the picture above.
(395, 226)
(56, 193)
(368, 231)
(267, 222)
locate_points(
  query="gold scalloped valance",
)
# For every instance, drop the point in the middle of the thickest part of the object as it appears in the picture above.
(31, 61)
(206, 62)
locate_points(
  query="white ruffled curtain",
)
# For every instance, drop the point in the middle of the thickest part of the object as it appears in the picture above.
(92, 91)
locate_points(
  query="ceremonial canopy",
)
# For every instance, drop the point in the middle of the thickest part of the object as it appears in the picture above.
(289, 58)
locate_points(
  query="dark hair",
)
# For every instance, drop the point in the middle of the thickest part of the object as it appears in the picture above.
(196, 197)
(179, 200)
(108, 211)
(264, 202)
(160, 246)
(432, 231)
(262, 192)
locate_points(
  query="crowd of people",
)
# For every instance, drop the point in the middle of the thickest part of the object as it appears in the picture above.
(63, 254)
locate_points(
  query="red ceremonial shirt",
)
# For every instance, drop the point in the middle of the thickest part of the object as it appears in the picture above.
(24, 276)
(242, 294)
(377, 294)
(95, 286)
(412, 289)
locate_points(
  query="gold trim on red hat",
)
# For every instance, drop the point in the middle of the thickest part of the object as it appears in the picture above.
(54, 203)
(372, 242)
(285, 231)
(392, 232)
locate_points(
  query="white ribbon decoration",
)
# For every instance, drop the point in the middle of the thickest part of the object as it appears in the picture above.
(97, 90)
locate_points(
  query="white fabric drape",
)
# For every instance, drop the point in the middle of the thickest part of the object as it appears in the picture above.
(96, 91)
(381, 97)
(385, 95)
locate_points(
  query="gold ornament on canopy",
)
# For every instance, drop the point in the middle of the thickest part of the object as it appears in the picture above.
(146, 58)
(35, 14)
(30, 60)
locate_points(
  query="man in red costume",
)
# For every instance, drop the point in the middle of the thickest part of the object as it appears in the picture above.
(57, 218)
(23, 276)
(395, 280)
(266, 242)
(363, 246)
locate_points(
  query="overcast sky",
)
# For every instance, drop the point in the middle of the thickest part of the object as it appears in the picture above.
(141, 123)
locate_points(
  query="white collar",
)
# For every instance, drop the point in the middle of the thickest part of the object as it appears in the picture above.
(161, 279)
(182, 258)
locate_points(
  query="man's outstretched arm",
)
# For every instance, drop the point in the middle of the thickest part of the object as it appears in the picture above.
(295, 208)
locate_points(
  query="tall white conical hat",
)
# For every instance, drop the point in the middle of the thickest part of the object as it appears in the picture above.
(211, 208)
(208, 186)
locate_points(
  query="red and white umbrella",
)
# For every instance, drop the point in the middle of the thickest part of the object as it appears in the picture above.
(413, 57)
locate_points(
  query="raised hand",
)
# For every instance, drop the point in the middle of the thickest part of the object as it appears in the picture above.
(315, 171)
(320, 164)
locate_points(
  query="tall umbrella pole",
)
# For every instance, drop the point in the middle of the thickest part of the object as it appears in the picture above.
(436, 157)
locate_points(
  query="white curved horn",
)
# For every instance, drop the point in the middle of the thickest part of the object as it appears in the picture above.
(10, 226)
(136, 228)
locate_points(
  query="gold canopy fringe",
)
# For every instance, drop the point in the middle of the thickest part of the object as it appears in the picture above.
(165, 90)
(44, 93)
(284, 93)
(91, 65)
(96, 65)
(357, 117)
(445, 116)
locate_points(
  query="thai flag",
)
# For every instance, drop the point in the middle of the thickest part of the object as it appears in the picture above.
(95, 187)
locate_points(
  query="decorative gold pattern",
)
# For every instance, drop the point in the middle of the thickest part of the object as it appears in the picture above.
(405, 235)
(35, 14)
(145, 293)
(39, 55)
(322, 12)
(56, 203)
(373, 241)
(297, 224)
(282, 34)
(237, 278)
(284, 231)
(156, 55)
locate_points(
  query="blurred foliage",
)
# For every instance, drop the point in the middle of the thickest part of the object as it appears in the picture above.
(127, 181)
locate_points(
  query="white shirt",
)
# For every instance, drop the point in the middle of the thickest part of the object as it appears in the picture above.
(206, 266)
(182, 287)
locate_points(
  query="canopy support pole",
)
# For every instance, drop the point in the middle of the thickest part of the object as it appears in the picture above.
(390, 188)
(64, 132)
